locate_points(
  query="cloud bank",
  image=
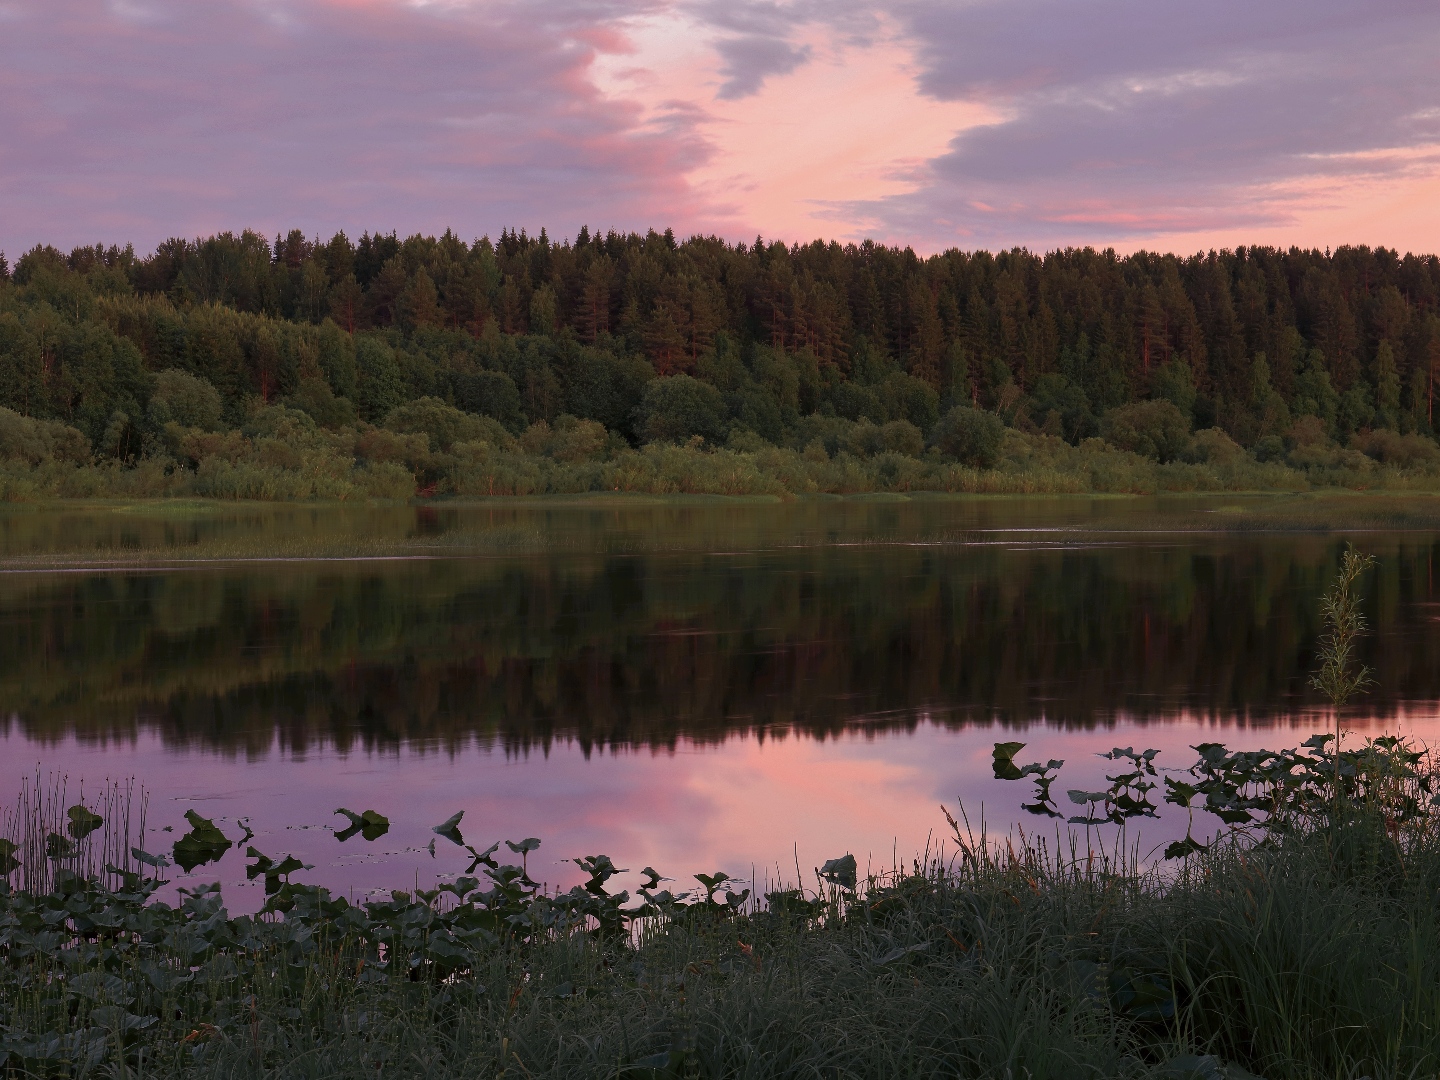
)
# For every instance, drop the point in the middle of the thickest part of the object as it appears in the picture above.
(984, 123)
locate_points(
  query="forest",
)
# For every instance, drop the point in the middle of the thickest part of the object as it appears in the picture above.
(238, 367)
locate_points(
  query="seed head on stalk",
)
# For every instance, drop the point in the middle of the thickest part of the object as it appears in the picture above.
(1339, 679)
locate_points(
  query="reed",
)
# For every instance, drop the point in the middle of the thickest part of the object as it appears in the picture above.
(49, 837)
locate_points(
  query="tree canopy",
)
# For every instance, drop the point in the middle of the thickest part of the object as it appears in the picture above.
(661, 340)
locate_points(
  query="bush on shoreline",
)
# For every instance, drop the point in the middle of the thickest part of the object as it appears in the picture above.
(428, 448)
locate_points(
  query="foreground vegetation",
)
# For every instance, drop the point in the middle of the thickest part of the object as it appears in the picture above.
(1304, 943)
(235, 368)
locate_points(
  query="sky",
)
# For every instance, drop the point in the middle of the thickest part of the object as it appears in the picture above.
(965, 123)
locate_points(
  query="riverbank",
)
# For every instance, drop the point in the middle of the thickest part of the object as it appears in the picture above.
(1311, 954)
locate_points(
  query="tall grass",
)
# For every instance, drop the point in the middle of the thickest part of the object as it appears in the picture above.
(51, 837)
(1313, 953)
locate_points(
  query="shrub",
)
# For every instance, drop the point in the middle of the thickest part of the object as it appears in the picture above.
(676, 408)
(904, 397)
(1153, 429)
(385, 480)
(1308, 431)
(34, 442)
(1403, 451)
(1213, 447)
(182, 398)
(444, 424)
(969, 436)
(570, 440)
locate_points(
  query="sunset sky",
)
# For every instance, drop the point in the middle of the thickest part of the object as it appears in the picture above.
(989, 123)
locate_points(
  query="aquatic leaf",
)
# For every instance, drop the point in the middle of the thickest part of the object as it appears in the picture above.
(524, 847)
(8, 862)
(272, 870)
(58, 846)
(652, 878)
(450, 828)
(371, 825)
(1179, 792)
(82, 821)
(841, 872)
(204, 843)
(101, 986)
(712, 882)
(145, 858)
(1181, 848)
(601, 869)
(1005, 768)
(792, 902)
(480, 858)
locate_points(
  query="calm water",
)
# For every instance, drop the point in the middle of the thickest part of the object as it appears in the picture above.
(692, 687)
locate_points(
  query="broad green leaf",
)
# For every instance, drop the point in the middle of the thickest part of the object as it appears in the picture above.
(204, 843)
(450, 828)
(841, 872)
(1004, 755)
(371, 825)
(82, 821)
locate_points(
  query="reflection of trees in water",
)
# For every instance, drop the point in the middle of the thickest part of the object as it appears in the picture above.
(645, 650)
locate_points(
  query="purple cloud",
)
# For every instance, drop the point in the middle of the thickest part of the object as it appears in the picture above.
(143, 119)
(751, 59)
(1127, 117)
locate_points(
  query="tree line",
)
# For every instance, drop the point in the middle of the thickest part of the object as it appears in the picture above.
(662, 340)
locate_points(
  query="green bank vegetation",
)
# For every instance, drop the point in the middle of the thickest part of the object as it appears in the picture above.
(1304, 942)
(236, 368)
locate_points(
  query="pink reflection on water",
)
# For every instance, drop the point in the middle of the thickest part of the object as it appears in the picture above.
(751, 807)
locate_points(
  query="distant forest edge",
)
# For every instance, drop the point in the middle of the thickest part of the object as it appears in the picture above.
(236, 367)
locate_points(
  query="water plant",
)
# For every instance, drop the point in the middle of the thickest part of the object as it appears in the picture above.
(1268, 958)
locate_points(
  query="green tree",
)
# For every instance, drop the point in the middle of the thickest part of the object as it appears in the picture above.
(380, 386)
(1387, 388)
(418, 304)
(1173, 381)
(1314, 394)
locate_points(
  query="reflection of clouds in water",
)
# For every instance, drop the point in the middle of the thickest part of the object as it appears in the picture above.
(744, 806)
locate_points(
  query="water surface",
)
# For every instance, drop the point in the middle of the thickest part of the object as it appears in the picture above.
(692, 686)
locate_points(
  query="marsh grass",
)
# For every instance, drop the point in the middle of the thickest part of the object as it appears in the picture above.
(47, 837)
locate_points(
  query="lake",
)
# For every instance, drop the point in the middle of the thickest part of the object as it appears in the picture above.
(688, 684)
